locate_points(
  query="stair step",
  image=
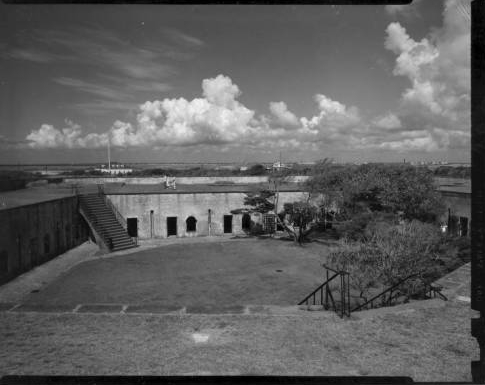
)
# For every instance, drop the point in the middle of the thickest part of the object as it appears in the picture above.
(123, 248)
(126, 244)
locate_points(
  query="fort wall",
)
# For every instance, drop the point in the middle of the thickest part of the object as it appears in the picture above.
(152, 211)
(35, 233)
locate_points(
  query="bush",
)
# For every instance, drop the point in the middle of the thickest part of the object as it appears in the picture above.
(362, 225)
(391, 252)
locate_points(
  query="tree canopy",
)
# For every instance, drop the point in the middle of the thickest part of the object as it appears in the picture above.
(380, 187)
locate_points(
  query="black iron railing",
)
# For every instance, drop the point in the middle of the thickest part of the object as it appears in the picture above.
(323, 295)
(121, 220)
(434, 291)
(387, 296)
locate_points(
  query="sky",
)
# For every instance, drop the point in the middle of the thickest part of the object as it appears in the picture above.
(235, 83)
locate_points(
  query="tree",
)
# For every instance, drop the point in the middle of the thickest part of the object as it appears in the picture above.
(360, 262)
(300, 215)
(259, 202)
(379, 187)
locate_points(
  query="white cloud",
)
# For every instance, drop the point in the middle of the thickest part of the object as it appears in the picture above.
(69, 137)
(388, 121)
(438, 68)
(217, 118)
(282, 115)
(433, 115)
(333, 118)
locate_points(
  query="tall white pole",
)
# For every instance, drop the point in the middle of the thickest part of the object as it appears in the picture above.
(109, 158)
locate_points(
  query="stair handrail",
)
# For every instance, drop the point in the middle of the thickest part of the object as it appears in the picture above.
(344, 293)
(319, 288)
(383, 293)
(435, 291)
(115, 211)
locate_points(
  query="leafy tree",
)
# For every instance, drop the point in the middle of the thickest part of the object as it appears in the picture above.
(360, 262)
(379, 187)
(300, 214)
(389, 254)
(260, 202)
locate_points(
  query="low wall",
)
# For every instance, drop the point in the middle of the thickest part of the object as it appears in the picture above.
(35, 233)
(182, 180)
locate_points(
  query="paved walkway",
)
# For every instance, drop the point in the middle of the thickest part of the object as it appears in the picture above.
(154, 309)
(456, 285)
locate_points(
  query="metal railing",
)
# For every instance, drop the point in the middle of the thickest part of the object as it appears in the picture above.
(393, 292)
(119, 217)
(435, 291)
(316, 297)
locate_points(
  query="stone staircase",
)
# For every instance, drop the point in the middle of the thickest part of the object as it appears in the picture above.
(103, 222)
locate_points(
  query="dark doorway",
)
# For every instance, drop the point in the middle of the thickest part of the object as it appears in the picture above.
(171, 226)
(151, 224)
(227, 224)
(191, 223)
(463, 226)
(246, 222)
(132, 227)
(3, 262)
(453, 225)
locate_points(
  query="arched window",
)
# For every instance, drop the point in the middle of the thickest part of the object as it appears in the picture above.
(191, 223)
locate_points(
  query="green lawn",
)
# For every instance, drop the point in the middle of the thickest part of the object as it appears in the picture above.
(212, 274)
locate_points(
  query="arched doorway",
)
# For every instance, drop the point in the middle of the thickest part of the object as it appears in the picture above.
(246, 222)
(191, 224)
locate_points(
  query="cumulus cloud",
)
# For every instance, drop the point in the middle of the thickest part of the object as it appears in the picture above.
(438, 68)
(47, 136)
(433, 113)
(282, 115)
(333, 118)
(216, 118)
(388, 121)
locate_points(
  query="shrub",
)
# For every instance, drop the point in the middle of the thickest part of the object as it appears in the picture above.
(389, 253)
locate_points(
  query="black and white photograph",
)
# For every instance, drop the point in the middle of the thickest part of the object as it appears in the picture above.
(238, 190)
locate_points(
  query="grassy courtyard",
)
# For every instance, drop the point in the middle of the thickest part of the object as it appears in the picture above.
(239, 272)
(426, 340)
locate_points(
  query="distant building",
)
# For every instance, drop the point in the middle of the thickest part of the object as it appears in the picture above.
(280, 166)
(115, 169)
